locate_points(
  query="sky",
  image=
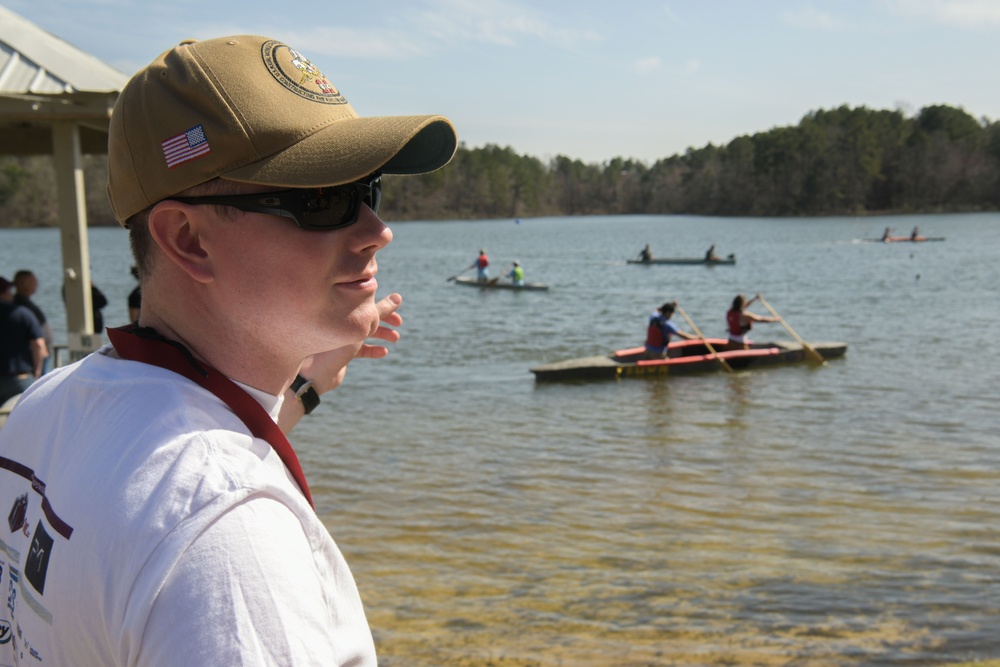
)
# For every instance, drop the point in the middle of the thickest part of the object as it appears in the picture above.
(589, 79)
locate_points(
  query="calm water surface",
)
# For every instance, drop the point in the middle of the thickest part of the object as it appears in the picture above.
(842, 515)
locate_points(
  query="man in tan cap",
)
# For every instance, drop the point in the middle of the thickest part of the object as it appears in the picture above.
(159, 516)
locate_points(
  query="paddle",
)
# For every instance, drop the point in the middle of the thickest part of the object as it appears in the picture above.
(450, 278)
(699, 334)
(813, 354)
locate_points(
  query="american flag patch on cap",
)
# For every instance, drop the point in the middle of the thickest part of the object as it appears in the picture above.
(186, 146)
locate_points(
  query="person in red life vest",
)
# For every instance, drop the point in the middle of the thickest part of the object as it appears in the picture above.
(151, 490)
(481, 265)
(739, 321)
(660, 329)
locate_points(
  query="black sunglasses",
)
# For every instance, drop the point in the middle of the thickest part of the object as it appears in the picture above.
(314, 209)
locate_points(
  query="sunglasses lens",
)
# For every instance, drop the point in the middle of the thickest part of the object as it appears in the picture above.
(336, 207)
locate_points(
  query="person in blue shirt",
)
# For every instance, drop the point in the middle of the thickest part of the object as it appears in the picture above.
(22, 345)
(660, 330)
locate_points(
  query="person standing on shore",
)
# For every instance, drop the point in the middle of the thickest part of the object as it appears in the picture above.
(25, 286)
(175, 526)
(97, 303)
(22, 345)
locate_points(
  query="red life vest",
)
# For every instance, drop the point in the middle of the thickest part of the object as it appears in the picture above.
(736, 328)
(655, 338)
(483, 261)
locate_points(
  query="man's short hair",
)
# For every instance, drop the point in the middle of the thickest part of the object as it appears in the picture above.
(141, 241)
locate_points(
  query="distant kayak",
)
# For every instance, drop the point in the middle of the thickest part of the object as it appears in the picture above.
(730, 259)
(496, 283)
(905, 239)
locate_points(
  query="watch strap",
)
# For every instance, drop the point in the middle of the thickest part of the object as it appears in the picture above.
(306, 393)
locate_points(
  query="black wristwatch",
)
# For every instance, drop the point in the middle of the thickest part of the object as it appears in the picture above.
(306, 393)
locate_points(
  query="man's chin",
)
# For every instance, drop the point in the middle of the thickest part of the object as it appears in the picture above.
(367, 321)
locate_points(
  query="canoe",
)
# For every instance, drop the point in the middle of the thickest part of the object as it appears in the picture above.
(904, 239)
(496, 283)
(731, 259)
(686, 357)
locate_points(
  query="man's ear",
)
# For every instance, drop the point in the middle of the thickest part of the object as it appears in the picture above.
(177, 229)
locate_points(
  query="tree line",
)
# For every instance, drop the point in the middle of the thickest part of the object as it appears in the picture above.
(844, 161)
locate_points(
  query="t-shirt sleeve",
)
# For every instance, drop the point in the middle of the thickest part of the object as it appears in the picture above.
(31, 324)
(248, 592)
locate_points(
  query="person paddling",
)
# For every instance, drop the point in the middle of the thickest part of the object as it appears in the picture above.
(481, 265)
(659, 331)
(516, 274)
(739, 321)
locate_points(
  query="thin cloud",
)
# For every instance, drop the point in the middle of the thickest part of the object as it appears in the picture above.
(363, 43)
(646, 65)
(498, 23)
(420, 32)
(675, 18)
(966, 14)
(810, 18)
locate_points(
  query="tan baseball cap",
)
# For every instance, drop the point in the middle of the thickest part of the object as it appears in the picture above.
(252, 110)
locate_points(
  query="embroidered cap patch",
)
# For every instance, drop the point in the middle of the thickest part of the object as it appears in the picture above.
(185, 147)
(297, 74)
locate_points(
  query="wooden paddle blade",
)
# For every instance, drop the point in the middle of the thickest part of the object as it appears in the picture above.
(813, 355)
(699, 334)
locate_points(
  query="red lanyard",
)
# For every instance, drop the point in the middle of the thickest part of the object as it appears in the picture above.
(146, 346)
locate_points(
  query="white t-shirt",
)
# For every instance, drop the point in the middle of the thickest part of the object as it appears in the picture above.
(148, 527)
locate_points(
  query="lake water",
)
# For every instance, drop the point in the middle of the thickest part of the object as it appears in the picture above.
(840, 515)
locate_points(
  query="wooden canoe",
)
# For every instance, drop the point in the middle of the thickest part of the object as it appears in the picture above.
(686, 357)
(906, 239)
(497, 283)
(731, 259)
